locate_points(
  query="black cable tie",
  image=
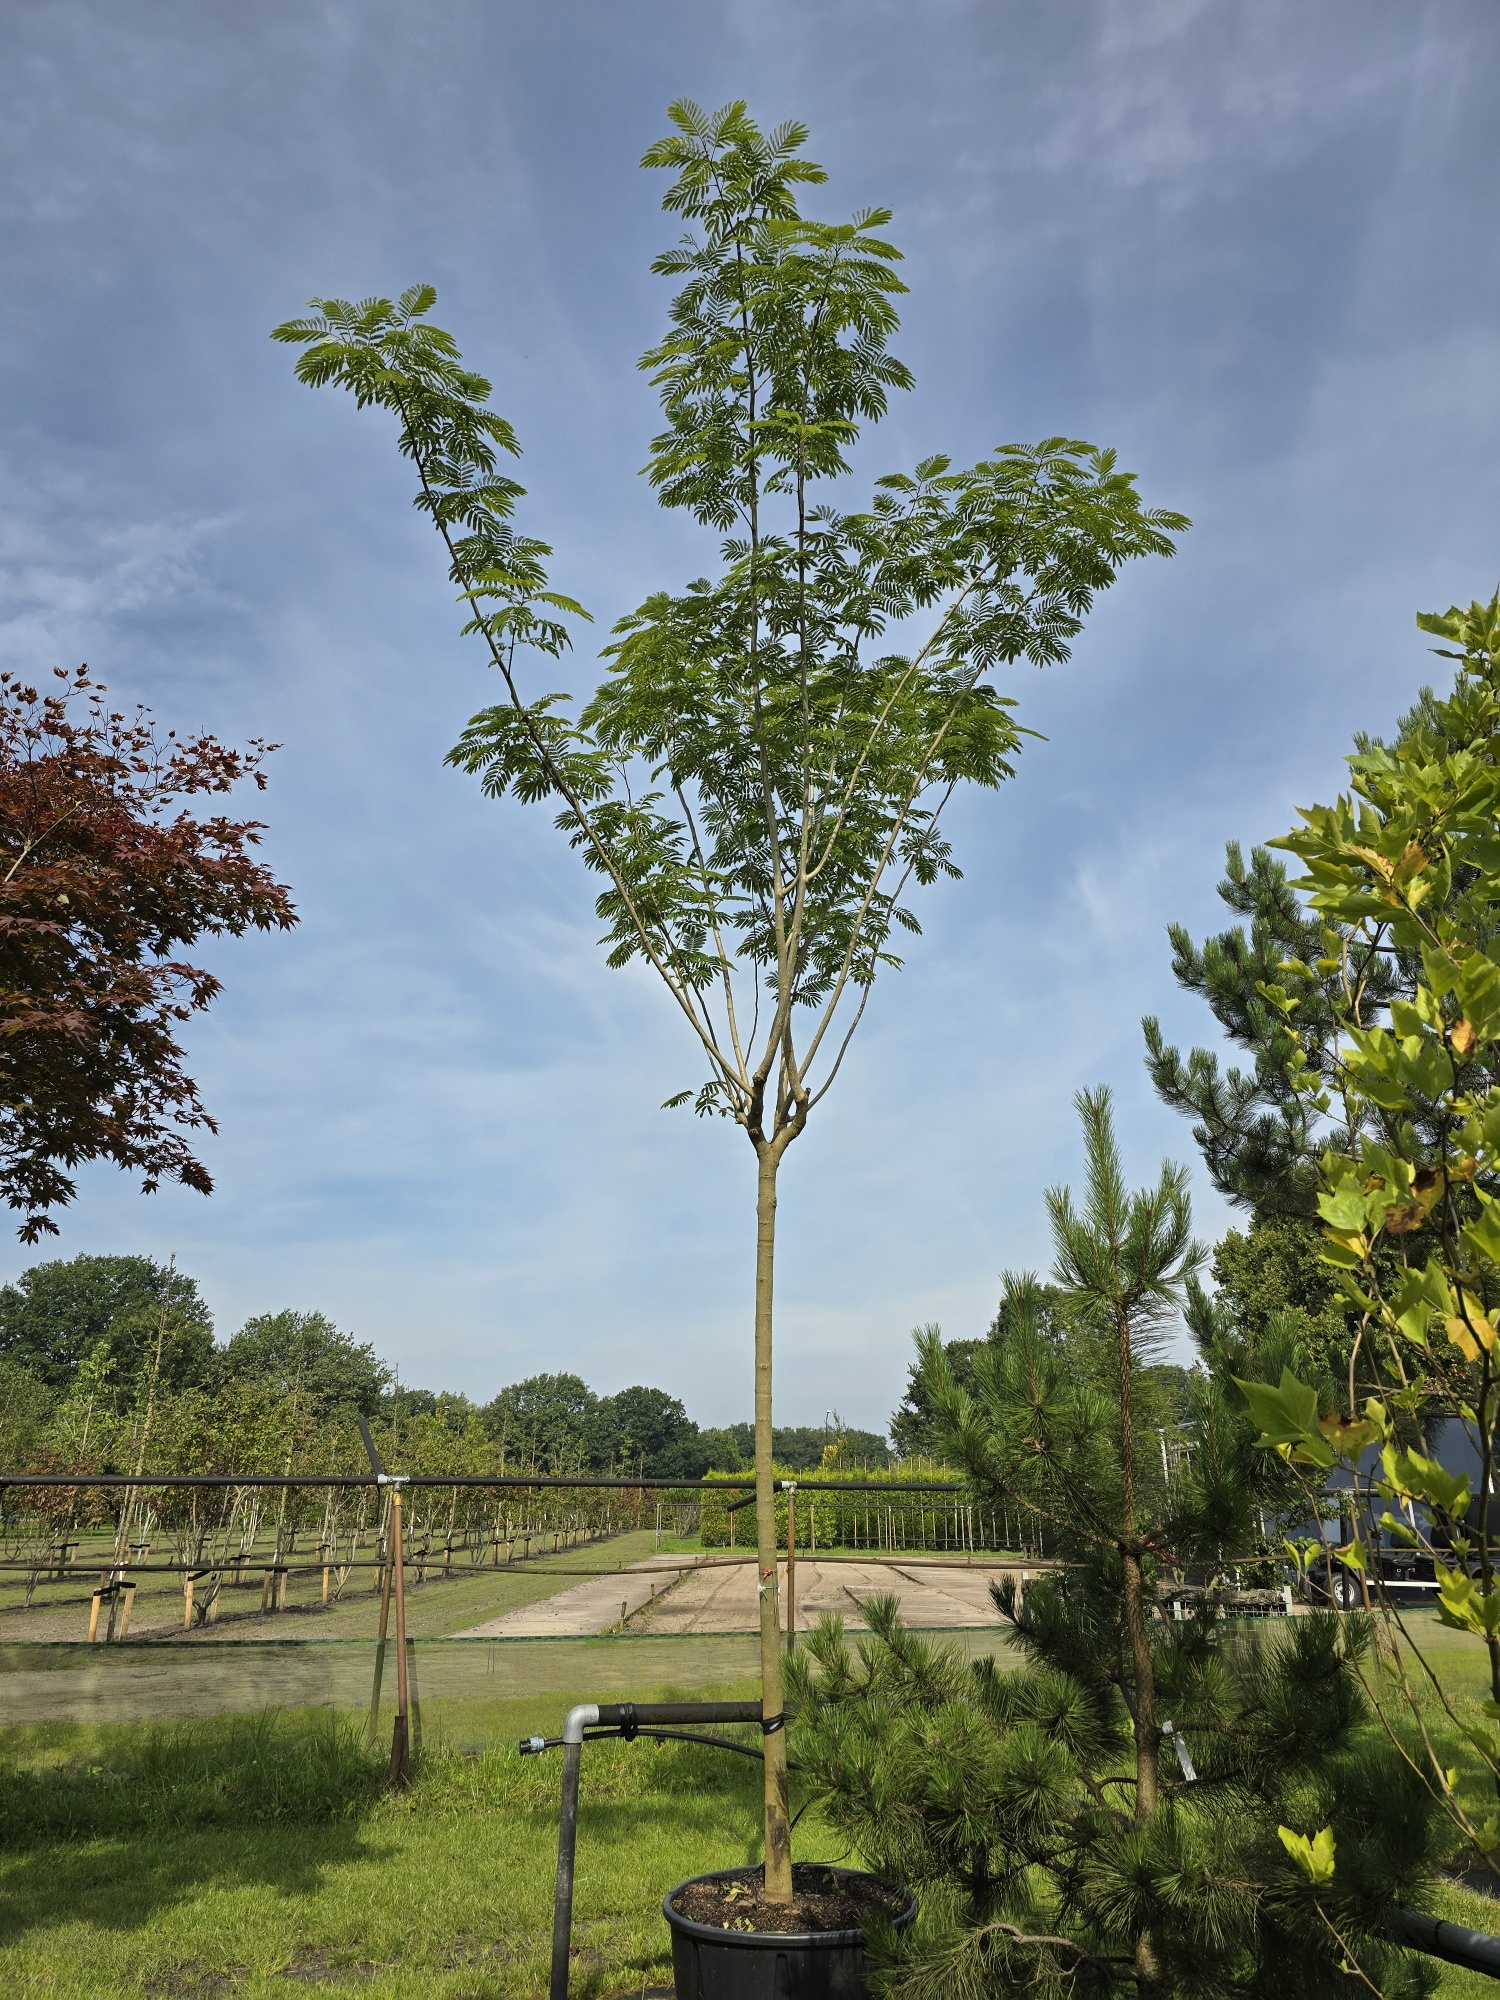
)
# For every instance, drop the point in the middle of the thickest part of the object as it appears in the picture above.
(772, 1723)
(628, 1723)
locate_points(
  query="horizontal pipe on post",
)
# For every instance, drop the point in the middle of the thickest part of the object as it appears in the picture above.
(621, 1714)
(626, 1716)
(482, 1480)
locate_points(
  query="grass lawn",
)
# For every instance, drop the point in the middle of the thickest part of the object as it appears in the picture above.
(127, 1866)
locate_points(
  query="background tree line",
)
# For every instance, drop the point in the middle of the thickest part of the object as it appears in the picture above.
(103, 1359)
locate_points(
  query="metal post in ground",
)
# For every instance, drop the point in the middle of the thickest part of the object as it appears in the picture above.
(395, 1562)
(578, 1719)
(627, 1718)
(791, 1564)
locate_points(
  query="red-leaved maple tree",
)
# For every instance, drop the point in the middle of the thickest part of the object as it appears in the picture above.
(105, 874)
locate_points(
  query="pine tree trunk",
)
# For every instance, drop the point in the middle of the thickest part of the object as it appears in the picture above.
(778, 1877)
(1147, 1734)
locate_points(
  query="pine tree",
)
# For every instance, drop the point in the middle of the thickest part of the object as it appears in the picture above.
(1252, 1124)
(1141, 1803)
(1282, 987)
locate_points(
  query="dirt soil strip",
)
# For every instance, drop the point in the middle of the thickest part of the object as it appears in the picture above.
(717, 1597)
(602, 1604)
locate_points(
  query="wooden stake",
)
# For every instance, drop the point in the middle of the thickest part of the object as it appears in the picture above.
(94, 1603)
(400, 1769)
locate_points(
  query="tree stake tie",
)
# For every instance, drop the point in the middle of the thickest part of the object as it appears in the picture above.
(1184, 1757)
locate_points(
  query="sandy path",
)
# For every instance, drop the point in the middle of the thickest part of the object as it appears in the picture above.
(590, 1607)
(724, 1600)
(682, 1595)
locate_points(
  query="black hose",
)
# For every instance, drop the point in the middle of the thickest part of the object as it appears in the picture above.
(1476, 1951)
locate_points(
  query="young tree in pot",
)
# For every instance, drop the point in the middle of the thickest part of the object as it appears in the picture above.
(758, 782)
(1140, 1804)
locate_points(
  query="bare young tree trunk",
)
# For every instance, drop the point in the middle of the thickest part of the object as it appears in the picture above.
(122, 1536)
(778, 1874)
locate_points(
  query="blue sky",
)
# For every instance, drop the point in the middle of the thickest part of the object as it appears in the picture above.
(1249, 245)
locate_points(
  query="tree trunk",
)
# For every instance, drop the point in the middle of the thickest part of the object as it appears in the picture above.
(1147, 1734)
(778, 1877)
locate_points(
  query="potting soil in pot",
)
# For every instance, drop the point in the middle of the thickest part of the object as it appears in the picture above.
(821, 1901)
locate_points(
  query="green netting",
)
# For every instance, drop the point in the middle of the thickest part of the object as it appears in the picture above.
(452, 1679)
(458, 1685)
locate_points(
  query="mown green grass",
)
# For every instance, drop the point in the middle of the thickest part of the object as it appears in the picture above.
(251, 1857)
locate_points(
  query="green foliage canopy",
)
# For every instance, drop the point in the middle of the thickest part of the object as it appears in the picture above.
(56, 1314)
(758, 780)
(1405, 866)
(303, 1356)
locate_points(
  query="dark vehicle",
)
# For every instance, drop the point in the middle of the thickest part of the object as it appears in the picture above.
(1405, 1574)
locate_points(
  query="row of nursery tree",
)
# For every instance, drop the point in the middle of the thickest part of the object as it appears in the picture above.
(110, 1364)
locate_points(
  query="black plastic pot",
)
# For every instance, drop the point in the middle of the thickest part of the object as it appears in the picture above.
(712, 1964)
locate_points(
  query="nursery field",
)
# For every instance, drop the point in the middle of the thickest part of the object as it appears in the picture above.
(302, 1596)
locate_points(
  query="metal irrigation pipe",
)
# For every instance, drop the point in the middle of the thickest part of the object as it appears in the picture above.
(560, 1481)
(614, 1718)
